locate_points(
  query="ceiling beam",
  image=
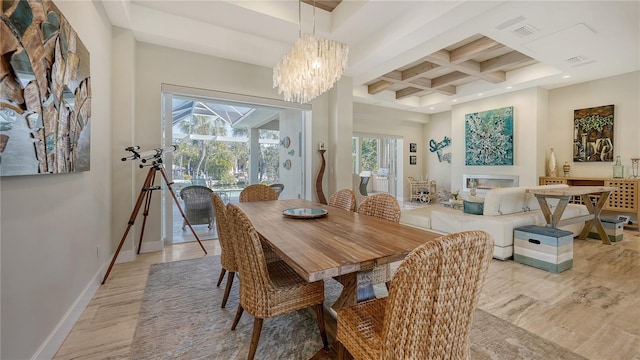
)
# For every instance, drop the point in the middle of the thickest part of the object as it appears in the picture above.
(473, 49)
(448, 79)
(394, 76)
(418, 70)
(503, 61)
(378, 86)
(406, 92)
(422, 83)
(446, 90)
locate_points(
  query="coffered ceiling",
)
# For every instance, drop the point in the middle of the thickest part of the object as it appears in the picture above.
(420, 56)
(473, 59)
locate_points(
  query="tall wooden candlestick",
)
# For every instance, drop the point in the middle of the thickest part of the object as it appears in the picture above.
(319, 191)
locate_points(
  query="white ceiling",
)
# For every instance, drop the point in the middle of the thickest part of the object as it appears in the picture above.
(386, 35)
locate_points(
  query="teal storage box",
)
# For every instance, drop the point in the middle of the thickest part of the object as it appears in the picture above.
(612, 227)
(543, 247)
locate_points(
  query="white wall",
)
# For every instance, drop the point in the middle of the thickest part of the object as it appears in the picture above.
(53, 225)
(544, 120)
(439, 126)
(408, 125)
(527, 146)
(623, 91)
(340, 136)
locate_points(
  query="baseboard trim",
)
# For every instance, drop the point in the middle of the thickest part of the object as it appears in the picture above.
(151, 246)
(50, 346)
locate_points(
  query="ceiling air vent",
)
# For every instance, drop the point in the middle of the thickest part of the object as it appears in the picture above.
(576, 60)
(525, 30)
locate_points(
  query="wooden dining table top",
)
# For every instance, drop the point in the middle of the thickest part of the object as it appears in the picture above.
(342, 242)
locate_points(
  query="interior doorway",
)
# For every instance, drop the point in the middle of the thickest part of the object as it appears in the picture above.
(376, 157)
(224, 146)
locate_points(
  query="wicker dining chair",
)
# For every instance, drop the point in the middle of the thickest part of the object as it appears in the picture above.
(386, 207)
(258, 192)
(197, 205)
(268, 289)
(438, 284)
(344, 199)
(383, 206)
(227, 256)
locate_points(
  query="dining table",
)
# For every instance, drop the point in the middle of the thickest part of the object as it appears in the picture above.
(340, 244)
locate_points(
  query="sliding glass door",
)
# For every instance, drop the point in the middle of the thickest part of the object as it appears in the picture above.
(224, 146)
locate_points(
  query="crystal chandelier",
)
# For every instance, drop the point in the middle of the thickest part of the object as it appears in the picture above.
(310, 67)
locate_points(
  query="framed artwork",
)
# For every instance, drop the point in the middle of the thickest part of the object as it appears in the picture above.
(593, 134)
(413, 160)
(413, 147)
(45, 105)
(489, 137)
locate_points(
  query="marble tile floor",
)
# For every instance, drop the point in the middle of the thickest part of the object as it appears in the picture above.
(592, 309)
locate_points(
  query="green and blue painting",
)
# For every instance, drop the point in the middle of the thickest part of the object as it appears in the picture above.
(489, 137)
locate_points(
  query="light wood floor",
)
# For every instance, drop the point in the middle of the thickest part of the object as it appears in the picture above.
(592, 309)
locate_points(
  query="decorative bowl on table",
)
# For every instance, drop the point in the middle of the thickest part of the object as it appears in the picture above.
(305, 213)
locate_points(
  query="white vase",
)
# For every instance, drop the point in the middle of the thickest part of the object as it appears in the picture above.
(553, 169)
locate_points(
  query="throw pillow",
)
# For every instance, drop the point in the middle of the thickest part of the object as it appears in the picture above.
(472, 207)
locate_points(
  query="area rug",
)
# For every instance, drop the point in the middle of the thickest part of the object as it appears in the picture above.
(181, 318)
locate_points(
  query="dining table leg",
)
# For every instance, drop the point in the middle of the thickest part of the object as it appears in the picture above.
(357, 287)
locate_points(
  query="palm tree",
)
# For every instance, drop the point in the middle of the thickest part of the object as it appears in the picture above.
(203, 125)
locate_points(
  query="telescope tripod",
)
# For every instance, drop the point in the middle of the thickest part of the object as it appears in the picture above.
(145, 195)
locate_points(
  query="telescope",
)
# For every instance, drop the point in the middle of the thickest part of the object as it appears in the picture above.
(150, 154)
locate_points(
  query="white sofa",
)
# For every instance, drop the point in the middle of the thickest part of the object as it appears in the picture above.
(504, 210)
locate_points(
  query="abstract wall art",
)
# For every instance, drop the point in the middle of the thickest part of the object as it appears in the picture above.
(489, 137)
(593, 134)
(437, 148)
(45, 92)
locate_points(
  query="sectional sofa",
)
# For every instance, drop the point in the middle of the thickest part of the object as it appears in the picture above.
(504, 210)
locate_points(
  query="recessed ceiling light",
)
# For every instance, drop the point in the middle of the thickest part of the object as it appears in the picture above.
(454, 100)
(566, 76)
(480, 94)
(509, 87)
(431, 108)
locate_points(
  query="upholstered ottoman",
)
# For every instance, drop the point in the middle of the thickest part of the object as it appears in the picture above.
(543, 247)
(612, 227)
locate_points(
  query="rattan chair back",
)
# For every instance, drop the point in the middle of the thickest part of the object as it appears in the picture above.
(344, 199)
(383, 206)
(268, 289)
(227, 257)
(258, 192)
(386, 207)
(439, 284)
(254, 284)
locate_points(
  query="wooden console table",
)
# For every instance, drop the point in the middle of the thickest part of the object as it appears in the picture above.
(624, 199)
(564, 195)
